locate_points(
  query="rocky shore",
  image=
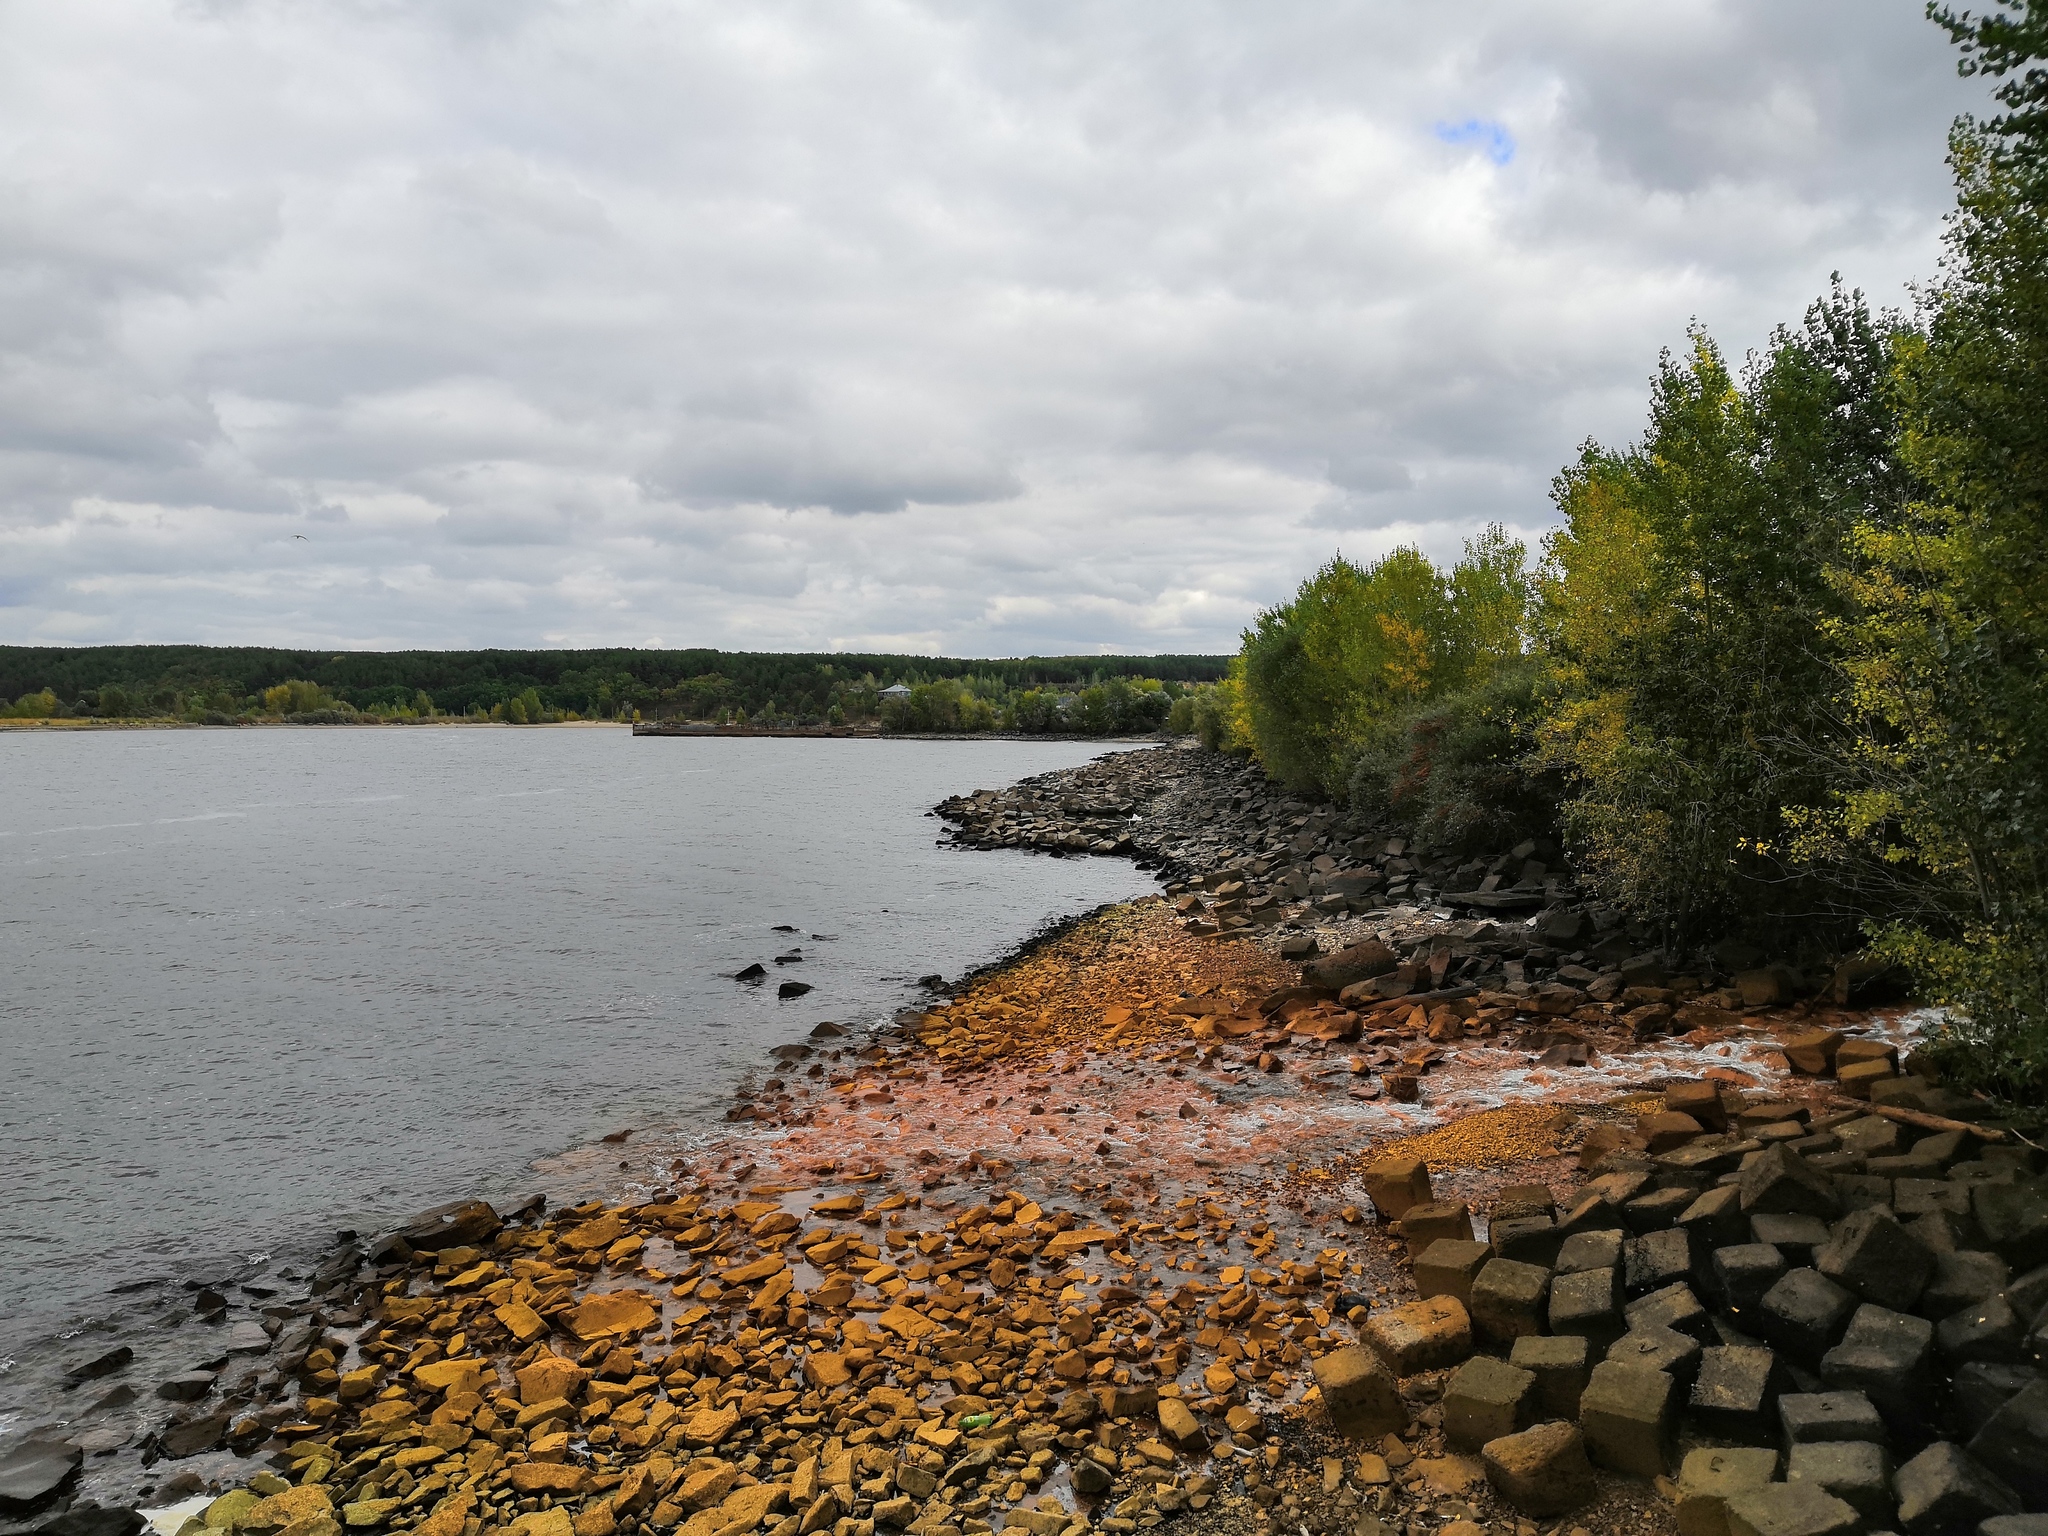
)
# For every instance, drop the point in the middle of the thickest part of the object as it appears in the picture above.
(1341, 1190)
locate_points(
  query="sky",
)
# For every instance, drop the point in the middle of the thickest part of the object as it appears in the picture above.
(977, 329)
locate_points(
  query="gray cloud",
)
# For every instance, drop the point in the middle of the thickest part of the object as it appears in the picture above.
(987, 330)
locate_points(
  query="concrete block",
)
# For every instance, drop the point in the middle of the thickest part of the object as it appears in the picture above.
(1701, 1100)
(1854, 1471)
(1395, 1184)
(1361, 1396)
(1524, 1200)
(1736, 1394)
(1873, 1256)
(1526, 1240)
(2013, 1443)
(1421, 1336)
(1485, 1400)
(1542, 1471)
(2014, 1220)
(1859, 1191)
(1809, 1418)
(1944, 1490)
(1587, 1305)
(1626, 1413)
(1448, 1266)
(1659, 1349)
(1961, 1278)
(1804, 1315)
(1656, 1259)
(1594, 1211)
(1660, 1210)
(1790, 1509)
(1424, 1224)
(1887, 1356)
(1560, 1366)
(1714, 1218)
(1987, 1330)
(1779, 1182)
(1980, 1389)
(1795, 1237)
(1508, 1299)
(1706, 1478)
(1589, 1250)
(1744, 1274)
(1675, 1307)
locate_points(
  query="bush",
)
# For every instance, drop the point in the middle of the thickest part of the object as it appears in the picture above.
(1360, 645)
(1459, 772)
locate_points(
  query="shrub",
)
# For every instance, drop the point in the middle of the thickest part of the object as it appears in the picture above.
(1459, 772)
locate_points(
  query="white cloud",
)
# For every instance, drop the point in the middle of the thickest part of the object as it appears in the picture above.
(1006, 328)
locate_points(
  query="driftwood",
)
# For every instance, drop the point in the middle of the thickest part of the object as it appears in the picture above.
(1921, 1118)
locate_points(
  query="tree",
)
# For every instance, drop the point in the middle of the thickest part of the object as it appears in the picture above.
(1950, 642)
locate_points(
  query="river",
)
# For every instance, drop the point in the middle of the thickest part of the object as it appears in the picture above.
(268, 983)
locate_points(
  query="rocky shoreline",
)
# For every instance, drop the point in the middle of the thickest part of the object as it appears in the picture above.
(1130, 1230)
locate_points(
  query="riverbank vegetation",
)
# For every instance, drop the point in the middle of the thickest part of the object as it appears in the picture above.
(1778, 671)
(1070, 695)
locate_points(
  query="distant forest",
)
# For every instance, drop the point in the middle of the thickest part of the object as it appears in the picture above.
(223, 685)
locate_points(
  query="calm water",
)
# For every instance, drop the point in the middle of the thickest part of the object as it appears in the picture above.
(267, 983)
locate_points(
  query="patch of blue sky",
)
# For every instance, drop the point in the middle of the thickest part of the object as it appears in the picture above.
(1490, 138)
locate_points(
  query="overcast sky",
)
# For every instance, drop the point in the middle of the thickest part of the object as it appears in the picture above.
(985, 329)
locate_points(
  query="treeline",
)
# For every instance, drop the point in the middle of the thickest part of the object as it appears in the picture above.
(1782, 671)
(220, 685)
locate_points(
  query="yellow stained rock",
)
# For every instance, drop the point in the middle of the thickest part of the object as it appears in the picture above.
(823, 1368)
(543, 1522)
(452, 1375)
(906, 1324)
(613, 1314)
(282, 1509)
(548, 1377)
(601, 1233)
(707, 1484)
(521, 1321)
(450, 1516)
(707, 1426)
(558, 1478)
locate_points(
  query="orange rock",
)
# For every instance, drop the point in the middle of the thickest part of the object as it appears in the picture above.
(613, 1314)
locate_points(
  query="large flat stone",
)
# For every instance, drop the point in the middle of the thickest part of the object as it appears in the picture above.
(34, 1472)
(1589, 1250)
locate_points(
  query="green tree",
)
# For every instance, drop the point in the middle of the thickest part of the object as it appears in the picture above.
(1950, 641)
